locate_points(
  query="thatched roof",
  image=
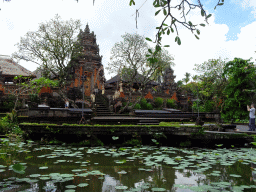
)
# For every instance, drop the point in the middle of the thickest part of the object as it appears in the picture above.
(11, 68)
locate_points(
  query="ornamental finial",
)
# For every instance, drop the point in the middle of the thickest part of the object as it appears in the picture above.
(87, 30)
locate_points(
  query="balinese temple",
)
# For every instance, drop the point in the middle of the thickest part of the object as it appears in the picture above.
(84, 69)
(167, 88)
(88, 64)
(8, 70)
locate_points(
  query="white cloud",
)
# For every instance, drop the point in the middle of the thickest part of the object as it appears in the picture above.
(245, 4)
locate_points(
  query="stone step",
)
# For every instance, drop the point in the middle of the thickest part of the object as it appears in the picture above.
(100, 104)
(103, 111)
(104, 114)
(101, 107)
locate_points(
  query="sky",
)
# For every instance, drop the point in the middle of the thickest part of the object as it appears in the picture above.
(229, 34)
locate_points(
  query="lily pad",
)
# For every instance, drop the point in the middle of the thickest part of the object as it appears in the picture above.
(234, 175)
(121, 187)
(71, 186)
(158, 189)
(43, 167)
(82, 185)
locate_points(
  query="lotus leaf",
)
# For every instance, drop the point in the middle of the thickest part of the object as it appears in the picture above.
(158, 189)
(82, 185)
(71, 186)
(121, 187)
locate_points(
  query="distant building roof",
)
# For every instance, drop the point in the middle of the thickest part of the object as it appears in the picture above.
(138, 79)
(38, 73)
(10, 67)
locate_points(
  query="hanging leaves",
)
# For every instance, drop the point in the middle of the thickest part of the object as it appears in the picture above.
(132, 2)
(202, 12)
(165, 12)
(156, 13)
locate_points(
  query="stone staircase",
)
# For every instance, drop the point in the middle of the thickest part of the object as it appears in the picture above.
(101, 108)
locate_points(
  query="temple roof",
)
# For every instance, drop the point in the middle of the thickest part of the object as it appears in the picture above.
(87, 30)
(137, 79)
(10, 67)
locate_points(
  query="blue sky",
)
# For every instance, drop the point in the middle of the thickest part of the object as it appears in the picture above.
(230, 33)
(233, 14)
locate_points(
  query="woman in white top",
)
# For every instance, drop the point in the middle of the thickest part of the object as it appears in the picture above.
(252, 117)
(66, 104)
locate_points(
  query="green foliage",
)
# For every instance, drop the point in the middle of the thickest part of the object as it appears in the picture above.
(241, 76)
(210, 84)
(134, 142)
(50, 46)
(9, 123)
(149, 106)
(137, 106)
(158, 102)
(8, 102)
(171, 103)
(208, 106)
(34, 98)
(143, 103)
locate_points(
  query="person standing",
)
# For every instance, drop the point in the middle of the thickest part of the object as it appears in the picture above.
(66, 104)
(252, 117)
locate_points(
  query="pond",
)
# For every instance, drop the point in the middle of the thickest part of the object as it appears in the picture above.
(31, 167)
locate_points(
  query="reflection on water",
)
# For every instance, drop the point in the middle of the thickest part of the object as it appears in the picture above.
(99, 169)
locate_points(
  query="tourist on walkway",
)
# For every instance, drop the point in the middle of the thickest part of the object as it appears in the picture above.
(66, 103)
(252, 117)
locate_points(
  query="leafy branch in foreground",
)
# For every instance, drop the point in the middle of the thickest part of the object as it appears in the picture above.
(183, 8)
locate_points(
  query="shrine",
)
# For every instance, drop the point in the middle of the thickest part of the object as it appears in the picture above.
(87, 69)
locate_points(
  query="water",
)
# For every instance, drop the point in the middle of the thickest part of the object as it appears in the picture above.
(31, 167)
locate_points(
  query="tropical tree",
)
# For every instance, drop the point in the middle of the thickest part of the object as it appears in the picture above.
(241, 77)
(129, 60)
(187, 78)
(164, 61)
(51, 48)
(212, 81)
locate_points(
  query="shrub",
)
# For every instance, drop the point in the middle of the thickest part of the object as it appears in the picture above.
(171, 103)
(137, 106)
(209, 106)
(143, 103)
(149, 106)
(34, 98)
(124, 104)
(158, 102)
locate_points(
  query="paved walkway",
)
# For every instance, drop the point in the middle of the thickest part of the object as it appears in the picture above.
(242, 127)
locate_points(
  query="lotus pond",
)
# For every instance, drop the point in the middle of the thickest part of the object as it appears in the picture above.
(31, 167)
